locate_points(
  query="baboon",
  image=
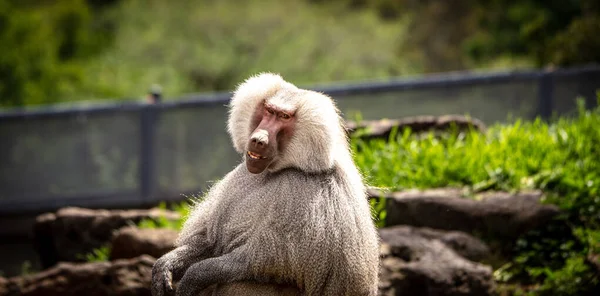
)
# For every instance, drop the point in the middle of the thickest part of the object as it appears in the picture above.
(293, 220)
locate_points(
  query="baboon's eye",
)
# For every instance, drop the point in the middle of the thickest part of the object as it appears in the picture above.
(270, 110)
(284, 116)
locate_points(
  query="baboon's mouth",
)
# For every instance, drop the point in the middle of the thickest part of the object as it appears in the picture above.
(256, 163)
(254, 155)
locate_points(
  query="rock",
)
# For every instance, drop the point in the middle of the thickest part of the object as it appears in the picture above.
(3, 286)
(414, 265)
(122, 277)
(462, 243)
(72, 232)
(381, 129)
(498, 215)
(131, 242)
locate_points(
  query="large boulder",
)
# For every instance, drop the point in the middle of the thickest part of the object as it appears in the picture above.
(497, 215)
(72, 232)
(131, 242)
(126, 277)
(415, 265)
(3, 286)
(381, 129)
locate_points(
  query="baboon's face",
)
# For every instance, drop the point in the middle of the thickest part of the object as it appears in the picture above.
(272, 129)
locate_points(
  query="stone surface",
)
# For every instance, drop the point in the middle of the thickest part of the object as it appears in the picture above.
(370, 129)
(500, 215)
(72, 232)
(126, 277)
(462, 243)
(415, 261)
(414, 265)
(3, 286)
(131, 242)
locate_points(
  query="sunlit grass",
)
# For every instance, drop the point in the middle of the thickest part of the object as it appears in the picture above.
(561, 157)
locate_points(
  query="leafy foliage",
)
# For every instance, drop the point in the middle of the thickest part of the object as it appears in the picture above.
(549, 32)
(58, 51)
(578, 44)
(455, 35)
(212, 45)
(27, 268)
(183, 208)
(42, 46)
(97, 255)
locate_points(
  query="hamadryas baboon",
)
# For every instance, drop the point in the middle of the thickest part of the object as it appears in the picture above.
(294, 219)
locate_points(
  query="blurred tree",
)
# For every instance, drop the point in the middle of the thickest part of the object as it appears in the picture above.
(438, 29)
(41, 46)
(578, 44)
(460, 34)
(547, 31)
(206, 45)
(53, 50)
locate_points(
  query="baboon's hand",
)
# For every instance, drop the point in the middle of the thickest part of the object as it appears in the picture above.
(162, 278)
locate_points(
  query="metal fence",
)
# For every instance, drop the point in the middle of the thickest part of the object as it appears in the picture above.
(134, 154)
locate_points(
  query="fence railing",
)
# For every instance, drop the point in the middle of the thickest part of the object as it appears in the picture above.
(131, 154)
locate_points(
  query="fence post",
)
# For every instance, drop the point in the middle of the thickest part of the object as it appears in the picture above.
(545, 94)
(588, 83)
(148, 119)
(146, 165)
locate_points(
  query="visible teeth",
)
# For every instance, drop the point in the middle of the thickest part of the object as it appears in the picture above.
(254, 155)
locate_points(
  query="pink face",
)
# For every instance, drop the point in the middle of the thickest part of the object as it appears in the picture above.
(272, 131)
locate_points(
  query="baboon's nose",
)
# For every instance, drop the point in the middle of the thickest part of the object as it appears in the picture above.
(259, 140)
(258, 143)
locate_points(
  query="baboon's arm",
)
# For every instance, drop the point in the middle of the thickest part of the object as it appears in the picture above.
(227, 268)
(171, 267)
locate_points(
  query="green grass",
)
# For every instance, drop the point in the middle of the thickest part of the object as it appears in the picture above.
(183, 208)
(100, 254)
(562, 157)
(517, 156)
